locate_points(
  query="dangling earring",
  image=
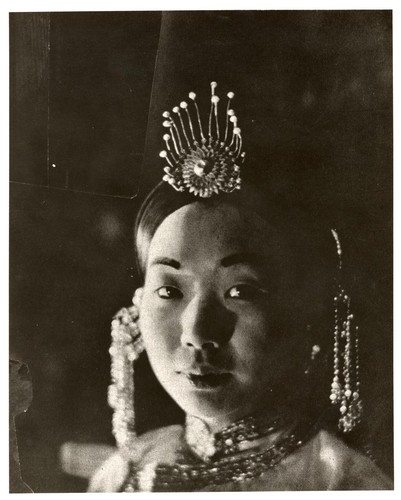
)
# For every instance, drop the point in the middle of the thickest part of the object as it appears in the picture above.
(315, 350)
(345, 387)
(126, 346)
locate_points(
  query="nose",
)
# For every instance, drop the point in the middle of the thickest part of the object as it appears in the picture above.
(206, 323)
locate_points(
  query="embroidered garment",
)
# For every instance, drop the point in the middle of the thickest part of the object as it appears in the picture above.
(322, 463)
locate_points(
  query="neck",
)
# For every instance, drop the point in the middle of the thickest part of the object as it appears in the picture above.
(218, 424)
(227, 437)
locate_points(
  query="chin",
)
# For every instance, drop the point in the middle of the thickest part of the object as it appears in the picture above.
(228, 401)
(206, 409)
(209, 404)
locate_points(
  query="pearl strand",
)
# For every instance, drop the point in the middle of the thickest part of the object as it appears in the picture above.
(125, 348)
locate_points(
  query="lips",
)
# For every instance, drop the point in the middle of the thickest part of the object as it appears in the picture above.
(208, 380)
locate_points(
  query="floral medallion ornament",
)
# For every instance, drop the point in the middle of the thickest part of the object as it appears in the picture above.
(198, 164)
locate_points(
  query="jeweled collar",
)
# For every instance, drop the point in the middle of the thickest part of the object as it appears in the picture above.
(230, 440)
(208, 461)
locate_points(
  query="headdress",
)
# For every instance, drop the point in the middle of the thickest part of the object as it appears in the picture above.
(202, 165)
(206, 166)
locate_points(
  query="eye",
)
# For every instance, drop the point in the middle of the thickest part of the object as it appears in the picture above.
(169, 292)
(244, 292)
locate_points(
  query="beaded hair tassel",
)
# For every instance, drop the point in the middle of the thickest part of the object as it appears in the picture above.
(126, 347)
(202, 165)
(345, 388)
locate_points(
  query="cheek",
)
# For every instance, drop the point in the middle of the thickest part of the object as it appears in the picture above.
(263, 355)
(159, 332)
(250, 341)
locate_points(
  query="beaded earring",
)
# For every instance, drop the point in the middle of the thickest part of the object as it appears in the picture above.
(345, 387)
(126, 346)
(315, 350)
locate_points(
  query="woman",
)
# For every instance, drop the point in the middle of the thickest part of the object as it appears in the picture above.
(234, 315)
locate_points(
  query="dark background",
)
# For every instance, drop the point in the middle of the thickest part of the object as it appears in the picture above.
(314, 99)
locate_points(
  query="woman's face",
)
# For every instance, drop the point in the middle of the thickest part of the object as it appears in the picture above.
(208, 313)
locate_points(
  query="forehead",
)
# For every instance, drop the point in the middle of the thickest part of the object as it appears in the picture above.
(211, 230)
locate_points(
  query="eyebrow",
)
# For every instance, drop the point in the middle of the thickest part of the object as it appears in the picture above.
(230, 260)
(242, 258)
(165, 261)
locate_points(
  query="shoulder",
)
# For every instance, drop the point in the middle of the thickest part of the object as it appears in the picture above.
(346, 468)
(323, 463)
(154, 446)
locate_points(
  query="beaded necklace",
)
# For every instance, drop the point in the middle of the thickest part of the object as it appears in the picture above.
(226, 465)
(229, 440)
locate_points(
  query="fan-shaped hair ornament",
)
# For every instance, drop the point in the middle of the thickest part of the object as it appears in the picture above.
(202, 165)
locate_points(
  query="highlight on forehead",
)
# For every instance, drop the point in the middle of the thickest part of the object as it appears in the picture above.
(219, 235)
(163, 201)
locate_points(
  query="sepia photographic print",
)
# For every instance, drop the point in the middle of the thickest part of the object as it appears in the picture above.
(201, 247)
